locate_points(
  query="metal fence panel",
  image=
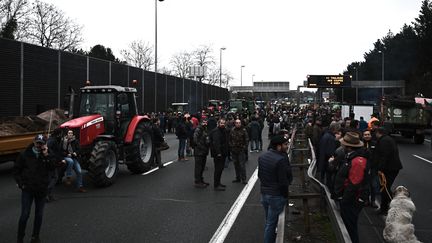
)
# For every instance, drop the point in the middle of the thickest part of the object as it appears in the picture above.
(73, 75)
(10, 65)
(40, 79)
(98, 71)
(119, 75)
(149, 91)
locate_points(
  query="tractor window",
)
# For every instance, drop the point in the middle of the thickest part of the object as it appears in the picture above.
(97, 103)
(123, 105)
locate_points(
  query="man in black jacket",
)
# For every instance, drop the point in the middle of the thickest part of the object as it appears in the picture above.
(201, 150)
(31, 173)
(275, 175)
(386, 155)
(219, 152)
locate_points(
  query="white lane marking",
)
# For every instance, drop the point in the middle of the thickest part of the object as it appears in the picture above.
(157, 168)
(428, 140)
(224, 228)
(430, 162)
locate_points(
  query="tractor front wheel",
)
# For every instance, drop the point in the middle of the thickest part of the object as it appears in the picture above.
(103, 164)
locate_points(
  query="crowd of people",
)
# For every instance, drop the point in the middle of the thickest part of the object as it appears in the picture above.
(351, 156)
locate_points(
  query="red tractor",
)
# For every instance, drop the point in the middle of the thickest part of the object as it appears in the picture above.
(110, 132)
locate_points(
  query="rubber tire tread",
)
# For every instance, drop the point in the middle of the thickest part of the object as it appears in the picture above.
(133, 157)
(97, 164)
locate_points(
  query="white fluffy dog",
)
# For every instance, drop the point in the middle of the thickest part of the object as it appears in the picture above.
(398, 226)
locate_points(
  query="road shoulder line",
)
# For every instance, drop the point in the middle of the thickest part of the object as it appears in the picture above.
(430, 162)
(225, 227)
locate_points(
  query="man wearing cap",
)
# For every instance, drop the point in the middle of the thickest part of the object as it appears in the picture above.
(352, 183)
(275, 174)
(31, 173)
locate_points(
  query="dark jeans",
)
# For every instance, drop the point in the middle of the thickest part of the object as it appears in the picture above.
(157, 157)
(53, 178)
(26, 203)
(181, 148)
(200, 162)
(273, 206)
(350, 214)
(219, 163)
(239, 159)
(385, 199)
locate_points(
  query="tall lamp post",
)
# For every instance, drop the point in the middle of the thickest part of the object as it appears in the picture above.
(220, 66)
(155, 75)
(382, 72)
(356, 71)
(241, 75)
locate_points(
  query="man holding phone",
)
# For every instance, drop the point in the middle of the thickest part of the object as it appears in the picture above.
(31, 175)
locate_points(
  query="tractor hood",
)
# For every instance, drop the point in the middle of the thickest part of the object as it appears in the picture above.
(82, 122)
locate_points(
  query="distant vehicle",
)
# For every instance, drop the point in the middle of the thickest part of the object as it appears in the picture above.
(237, 105)
(180, 107)
(405, 116)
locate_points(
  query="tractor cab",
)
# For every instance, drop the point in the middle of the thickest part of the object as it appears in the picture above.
(115, 104)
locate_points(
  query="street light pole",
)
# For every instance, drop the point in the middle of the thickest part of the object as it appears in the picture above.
(356, 70)
(155, 75)
(382, 73)
(220, 66)
(241, 75)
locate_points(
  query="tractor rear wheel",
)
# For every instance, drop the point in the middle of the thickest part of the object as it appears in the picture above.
(140, 154)
(103, 164)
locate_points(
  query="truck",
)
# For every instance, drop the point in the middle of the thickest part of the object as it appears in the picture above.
(405, 116)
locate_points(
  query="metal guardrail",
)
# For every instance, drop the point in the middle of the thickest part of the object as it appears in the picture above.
(338, 225)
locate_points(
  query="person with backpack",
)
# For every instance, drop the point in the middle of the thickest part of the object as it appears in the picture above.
(352, 183)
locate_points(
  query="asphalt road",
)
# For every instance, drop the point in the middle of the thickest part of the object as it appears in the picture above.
(416, 176)
(163, 206)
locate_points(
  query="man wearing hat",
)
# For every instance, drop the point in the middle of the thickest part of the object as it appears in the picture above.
(31, 173)
(275, 174)
(352, 183)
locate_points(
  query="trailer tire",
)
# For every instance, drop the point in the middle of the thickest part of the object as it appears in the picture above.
(103, 163)
(419, 138)
(140, 153)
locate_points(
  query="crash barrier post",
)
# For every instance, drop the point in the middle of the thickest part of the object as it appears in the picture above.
(338, 225)
(301, 152)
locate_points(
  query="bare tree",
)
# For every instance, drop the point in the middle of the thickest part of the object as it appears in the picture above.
(166, 70)
(139, 54)
(49, 27)
(12, 17)
(213, 77)
(203, 56)
(181, 63)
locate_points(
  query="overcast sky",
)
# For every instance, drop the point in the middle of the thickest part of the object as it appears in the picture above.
(277, 40)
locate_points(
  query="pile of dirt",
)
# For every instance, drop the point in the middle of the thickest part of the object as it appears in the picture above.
(18, 124)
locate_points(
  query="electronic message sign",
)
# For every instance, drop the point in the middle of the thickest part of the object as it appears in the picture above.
(329, 81)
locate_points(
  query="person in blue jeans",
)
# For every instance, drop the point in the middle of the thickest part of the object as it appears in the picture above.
(70, 148)
(275, 175)
(31, 174)
(182, 135)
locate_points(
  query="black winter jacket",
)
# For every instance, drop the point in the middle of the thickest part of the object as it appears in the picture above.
(219, 142)
(274, 172)
(386, 154)
(31, 172)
